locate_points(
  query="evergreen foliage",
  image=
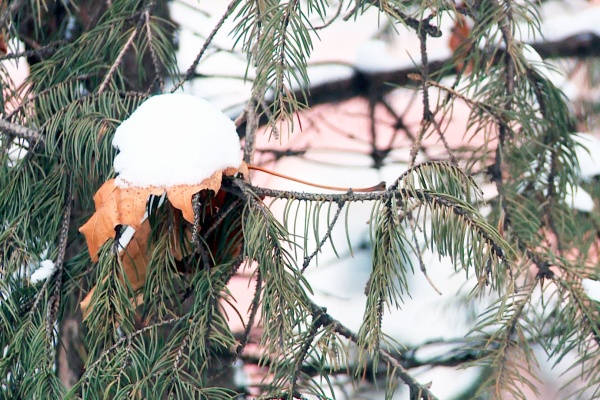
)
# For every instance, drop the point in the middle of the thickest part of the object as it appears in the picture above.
(92, 65)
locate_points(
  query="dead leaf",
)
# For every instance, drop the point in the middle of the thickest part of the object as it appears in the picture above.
(134, 259)
(132, 204)
(101, 226)
(85, 303)
(126, 205)
(3, 46)
(459, 43)
(115, 206)
(180, 196)
(135, 256)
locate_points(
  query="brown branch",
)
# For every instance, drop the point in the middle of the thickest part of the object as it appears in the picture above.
(120, 57)
(192, 69)
(20, 131)
(417, 390)
(360, 83)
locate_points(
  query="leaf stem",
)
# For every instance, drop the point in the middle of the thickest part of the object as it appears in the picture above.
(376, 188)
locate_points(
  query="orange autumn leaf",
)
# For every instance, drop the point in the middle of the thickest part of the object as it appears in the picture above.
(101, 226)
(134, 259)
(114, 206)
(126, 206)
(135, 256)
(458, 43)
(132, 204)
(180, 196)
(3, 46)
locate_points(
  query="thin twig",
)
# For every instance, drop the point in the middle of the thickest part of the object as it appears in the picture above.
(338, 11)
(155, 62)
(49, 49)
(20, 131)
(125, 48)
(427, 116)
(327, 320)
(309, 258)
(192, 69)
(251, 127)
(54, 301)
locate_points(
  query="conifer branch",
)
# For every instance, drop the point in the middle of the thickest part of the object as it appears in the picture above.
(155, 62)
(417, 390)
(326, 237)
(143, 17)
(31, 135)
(124, 340)
(118, 60)
(46, 50)
(10, 10)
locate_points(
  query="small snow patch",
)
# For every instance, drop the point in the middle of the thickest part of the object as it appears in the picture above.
(373, 56)
(174, 139)
(592, 288)
(587, 153)
(44, 272)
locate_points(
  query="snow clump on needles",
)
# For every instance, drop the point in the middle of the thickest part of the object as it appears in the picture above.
(174, 139)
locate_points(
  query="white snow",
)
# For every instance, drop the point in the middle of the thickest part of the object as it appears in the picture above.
(536, 62)
(560, 24)
(44, 272)
(174, 139)
(587, 154)
(579, 199)
(592, 288)
(379, 56)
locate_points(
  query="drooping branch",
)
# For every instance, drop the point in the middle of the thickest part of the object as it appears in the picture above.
(361, 83)
(417, 390)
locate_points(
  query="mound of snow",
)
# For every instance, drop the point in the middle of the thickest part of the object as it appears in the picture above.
(174, 139)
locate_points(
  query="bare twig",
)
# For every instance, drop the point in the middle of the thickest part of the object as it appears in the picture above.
(118, 60)
(251, 128)
(54, 301)
(417, 390)
(157, 74)
(126, 47)
(20, 131)
(192, 69)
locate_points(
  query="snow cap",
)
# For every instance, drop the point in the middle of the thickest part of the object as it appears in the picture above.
(174, 139)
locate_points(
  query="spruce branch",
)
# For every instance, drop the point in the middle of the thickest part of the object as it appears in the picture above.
(144, 18)
(54, 301)
(22, 132)
(506, 343)
(417, 391)
(42, 51)
(155, 62)
(118, 60)
(326, 237)
(124, 340)
(388, 8)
